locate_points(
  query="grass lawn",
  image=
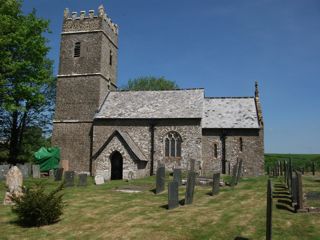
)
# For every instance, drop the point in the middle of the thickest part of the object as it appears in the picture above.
(100, 212)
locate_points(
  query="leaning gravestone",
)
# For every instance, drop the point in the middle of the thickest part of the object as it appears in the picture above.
(14, 181)
(191, 181)
(269, 211)
(58, 174)
(36, 171)
(294, 189)
(216, 183)
(69, 178)
(3, 171)
(82, 180)
(24, 170)
(173, 195)
(99, 179)
(177, 176)
(160, 179)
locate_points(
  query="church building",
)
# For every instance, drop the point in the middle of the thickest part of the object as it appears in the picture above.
(127, 134)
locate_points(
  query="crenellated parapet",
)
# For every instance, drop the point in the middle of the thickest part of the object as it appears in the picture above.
(83, 22)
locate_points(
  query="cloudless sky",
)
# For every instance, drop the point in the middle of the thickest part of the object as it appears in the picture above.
(223, 46)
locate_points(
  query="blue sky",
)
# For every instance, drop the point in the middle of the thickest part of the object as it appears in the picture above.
(222, 46)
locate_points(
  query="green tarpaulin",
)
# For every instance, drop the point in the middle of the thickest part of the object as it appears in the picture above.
(47, 158)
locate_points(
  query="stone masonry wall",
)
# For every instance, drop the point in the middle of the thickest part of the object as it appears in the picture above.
(252, 152)
(139, 131)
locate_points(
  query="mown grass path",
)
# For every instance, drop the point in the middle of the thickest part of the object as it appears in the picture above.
(100, 212)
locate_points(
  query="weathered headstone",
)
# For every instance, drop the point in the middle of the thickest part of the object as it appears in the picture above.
(234, 175)
(269, 211)
(58, 174)
(99, 179)
(36, 171)
(24, 170)
(216, 183)
(69, 178)
(313, 168)
(239, 171)
(173, 195)
(191, 181)
(52, 173)
(299, 191)
(82, 180)
(3, 171)
(177, 176)
(290, 175)
(160, 179)
(14, 181)
(294, 189)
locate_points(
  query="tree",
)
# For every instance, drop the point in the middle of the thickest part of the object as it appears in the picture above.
(26, 80)
(150, 83)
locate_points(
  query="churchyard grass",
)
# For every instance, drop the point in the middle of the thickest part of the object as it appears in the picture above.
(101, 212)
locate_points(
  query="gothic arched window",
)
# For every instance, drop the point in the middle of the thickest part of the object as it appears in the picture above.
(172, 145)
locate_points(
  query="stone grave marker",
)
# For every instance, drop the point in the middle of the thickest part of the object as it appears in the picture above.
(294, 189)
(299, 191)
(82, 180)
(216, 183)
(313, 168)
(99, 179)
(191, 181)
(234, 175)
(36, 171)
(160, 179)
(14, 181)
(52, 173)
(69, 178)
(177, 176)
(269, 211)
(239, 172)
(58, 174)
(3, 171)
(24, 170)
(173, 195)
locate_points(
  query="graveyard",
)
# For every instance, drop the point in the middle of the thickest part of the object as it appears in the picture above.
(134, 210)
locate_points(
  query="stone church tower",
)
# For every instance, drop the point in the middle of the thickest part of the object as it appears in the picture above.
(87, 71)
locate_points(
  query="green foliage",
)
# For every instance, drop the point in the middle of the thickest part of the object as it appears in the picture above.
(298, 160)
(26, 84)
(37, 208)
(150, 83)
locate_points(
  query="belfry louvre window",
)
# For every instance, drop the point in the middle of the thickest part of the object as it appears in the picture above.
(172, 145)
(77, 47)
(110, 58)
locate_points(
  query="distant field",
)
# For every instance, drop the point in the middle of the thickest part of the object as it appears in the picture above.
(298, 160)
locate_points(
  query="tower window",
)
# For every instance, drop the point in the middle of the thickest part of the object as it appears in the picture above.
(215, 150)
(241, 144)
(172, 145)
(77, 47)
(110, 58)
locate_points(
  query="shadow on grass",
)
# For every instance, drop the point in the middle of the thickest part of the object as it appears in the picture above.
(241, 238)
(153, 191)
(278, 185)
(281, 196)
(281, 193)
(285, 207)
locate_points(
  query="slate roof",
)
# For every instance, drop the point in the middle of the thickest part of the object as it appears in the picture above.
(229, 113)
(134, 148)
(152, 104)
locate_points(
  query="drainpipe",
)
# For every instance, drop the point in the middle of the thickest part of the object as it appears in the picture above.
(152, 124)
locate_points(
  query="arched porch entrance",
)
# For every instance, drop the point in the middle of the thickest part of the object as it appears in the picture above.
(116, 165)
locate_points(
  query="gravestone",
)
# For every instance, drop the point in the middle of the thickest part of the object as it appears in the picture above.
(177, 176)
(99, 179)
(313, 168)
(14, 181)
(294, 189)
(160, 179)
(269, 211)
(234, 175)
(173, 195)
(216, 183)
(82, 180)
(36, 171)
(24, 170)
(299, 191)
(3, 171)
(191, 181)
(290, 175)
(239, 172)
(52, 173)
(58, 174)
(69, 178)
